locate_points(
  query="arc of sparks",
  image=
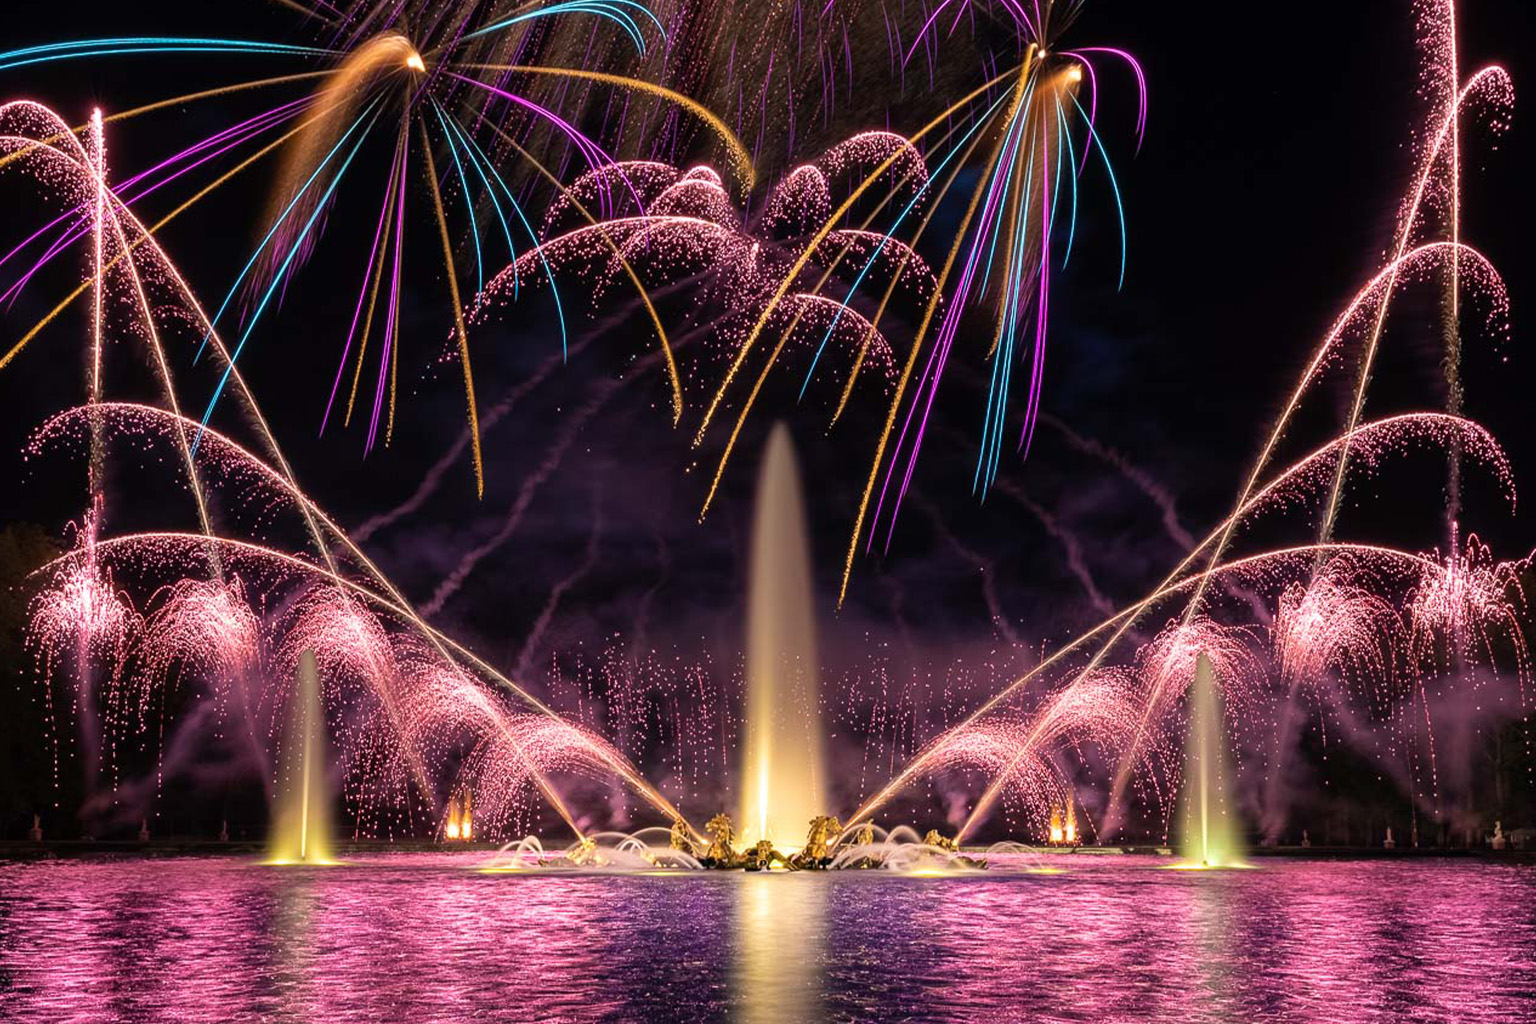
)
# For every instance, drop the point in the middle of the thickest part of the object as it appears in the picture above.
(799, 265)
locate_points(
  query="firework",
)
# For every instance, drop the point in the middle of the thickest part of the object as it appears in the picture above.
(441, 103)
(1035, 138)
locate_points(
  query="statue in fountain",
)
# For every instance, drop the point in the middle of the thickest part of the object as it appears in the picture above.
(817, 851)
(35, 833)
(763, 856)
(940, 842)
(1389, 843)
(679, 839)
(584, 853)
(864, 838)
(1499, 840)
(224, 831)
(722, 843)
(143, 830)
(946, 845)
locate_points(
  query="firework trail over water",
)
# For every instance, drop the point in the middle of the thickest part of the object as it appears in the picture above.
(1359, 619)
(1380, 638)
(206, 632)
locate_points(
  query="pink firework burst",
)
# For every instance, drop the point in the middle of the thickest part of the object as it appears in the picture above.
(1460, 609)
(206, 627)
(1166, 665)
(1334, 623)
(684, 232)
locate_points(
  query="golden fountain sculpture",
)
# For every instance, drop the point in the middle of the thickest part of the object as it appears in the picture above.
(939, 842)
(816, 855)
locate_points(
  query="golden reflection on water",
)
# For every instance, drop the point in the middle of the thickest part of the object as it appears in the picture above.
(780, 945)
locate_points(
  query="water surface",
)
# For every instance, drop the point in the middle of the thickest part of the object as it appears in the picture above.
(427, 938)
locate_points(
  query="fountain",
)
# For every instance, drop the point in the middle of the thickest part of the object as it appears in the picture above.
(781, 778)
(301, 832)
(1211, 838)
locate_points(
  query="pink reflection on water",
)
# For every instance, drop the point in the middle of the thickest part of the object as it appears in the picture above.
(410, 937)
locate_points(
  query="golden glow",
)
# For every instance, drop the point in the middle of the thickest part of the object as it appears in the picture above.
(458, 824)
(413, 61)
(1073, 74)
(779, 944)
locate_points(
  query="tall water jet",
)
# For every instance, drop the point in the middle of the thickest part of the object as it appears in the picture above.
(301, 821)
(1210, 837)
(781, 775)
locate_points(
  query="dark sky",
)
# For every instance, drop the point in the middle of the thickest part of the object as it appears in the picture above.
(1276, 154)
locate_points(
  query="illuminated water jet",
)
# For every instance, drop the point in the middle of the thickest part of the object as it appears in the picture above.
(301, 828)
(782, 784)
(1211, 838)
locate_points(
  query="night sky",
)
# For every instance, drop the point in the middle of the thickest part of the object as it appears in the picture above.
(1277, 151)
